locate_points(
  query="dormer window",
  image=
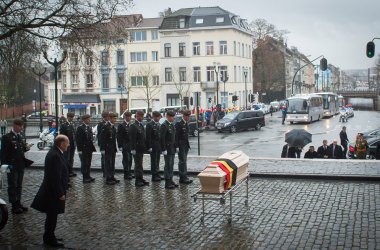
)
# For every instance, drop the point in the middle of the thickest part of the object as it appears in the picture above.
(220, 19)
(182, 23)
(199, 20)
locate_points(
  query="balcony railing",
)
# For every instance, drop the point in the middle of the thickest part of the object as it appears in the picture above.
(208, 85)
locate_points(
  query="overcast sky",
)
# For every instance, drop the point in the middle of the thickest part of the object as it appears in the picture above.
(338, 29)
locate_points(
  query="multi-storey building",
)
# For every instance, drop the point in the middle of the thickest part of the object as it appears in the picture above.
(200, 49)
(162, 61)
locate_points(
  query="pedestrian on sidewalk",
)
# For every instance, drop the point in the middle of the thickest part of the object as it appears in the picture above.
(13, 148)
(344, 141)
(51, 197)
(208, 117)
(271, 110)
(284, 113)
(85, 147)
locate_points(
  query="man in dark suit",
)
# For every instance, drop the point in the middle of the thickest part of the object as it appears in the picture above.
(288, 151)
(324, 151)
(344, 140)
(13, 148)
(99, 129)
(167, 134)
(153, 145)
(67, 128)
(108, 149)
(124, 145)
(183, 146)
(137, 139)
(336, 151)
(51, 196)
(85, 147)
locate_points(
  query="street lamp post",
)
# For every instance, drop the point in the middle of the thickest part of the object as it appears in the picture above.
(245, 82)
(216, 68)
(56, 64)
(40, 73)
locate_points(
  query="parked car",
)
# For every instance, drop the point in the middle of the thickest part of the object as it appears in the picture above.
(192, 124)
(371, 134)
(237, 121)
(261, 106)
(372, 143)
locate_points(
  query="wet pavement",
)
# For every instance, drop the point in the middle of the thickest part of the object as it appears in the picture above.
(284, 213)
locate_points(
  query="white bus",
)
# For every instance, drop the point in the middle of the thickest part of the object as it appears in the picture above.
(304, 108)
(330, 103)
(341, 101)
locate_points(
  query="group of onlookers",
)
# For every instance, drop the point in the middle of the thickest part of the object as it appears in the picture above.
(333, 150)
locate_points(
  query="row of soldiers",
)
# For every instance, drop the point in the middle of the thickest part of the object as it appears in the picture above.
(133, 140)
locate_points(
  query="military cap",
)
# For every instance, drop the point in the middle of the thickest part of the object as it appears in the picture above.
(105, 114)
(112, 114)
(156, 114)
(186, 113)
(70, 114)
(18, 122)
(139, 112)
(127, 113)
(84, 117)
(170, 113)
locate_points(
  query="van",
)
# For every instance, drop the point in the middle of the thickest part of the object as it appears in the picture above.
(238, 121)
(134, 110)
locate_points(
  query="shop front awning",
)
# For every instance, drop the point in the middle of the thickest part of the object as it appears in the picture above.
(80, 98)
(74, 106)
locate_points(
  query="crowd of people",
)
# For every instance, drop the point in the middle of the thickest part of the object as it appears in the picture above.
(333, 150)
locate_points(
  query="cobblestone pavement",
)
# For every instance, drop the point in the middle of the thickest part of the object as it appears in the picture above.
(282, 213)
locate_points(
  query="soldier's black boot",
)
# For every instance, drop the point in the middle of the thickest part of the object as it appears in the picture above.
(169, 184)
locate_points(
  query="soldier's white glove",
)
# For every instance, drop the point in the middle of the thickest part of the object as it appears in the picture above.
(165, 152)
(150, 150)
(120, 149)
(79, 152)
(133, 152)
(102, 152)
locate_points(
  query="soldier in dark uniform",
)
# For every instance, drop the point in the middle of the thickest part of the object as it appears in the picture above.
(13, 148)
(67, 128)
(153, 145)
(167, 133)
(124, 145)
(108, 149)
(183, 146)
(85, 147)
(99, 129)
(137, 139)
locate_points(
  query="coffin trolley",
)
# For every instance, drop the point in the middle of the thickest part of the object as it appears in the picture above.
(221, 179)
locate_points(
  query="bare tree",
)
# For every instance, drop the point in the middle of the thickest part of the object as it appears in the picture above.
(52, 19)
(182, 80)
(150, 85)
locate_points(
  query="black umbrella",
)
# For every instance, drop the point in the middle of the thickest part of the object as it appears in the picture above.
(298, 137)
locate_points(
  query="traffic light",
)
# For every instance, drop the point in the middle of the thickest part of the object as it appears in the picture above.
(209, 100)
(251, 98)
(235, 98)
(191, 101)
(370, 49)
(323, 64)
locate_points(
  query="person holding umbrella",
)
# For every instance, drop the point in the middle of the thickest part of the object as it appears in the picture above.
(296, 139)
(288, 151)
